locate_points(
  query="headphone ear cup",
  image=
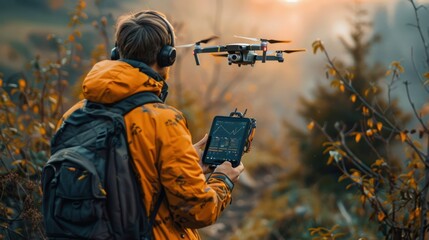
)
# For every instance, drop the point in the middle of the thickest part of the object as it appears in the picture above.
(166, 56)
(114, 54)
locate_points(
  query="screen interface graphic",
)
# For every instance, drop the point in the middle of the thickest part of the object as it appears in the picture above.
(226, 141)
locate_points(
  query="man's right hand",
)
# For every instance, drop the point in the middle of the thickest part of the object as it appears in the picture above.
(231, 172)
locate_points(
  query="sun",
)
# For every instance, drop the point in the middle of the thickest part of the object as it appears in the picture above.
(291, 1)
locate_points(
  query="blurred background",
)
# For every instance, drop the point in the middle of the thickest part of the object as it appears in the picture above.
(288, 187)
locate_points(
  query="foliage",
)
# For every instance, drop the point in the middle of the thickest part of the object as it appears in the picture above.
(29, 110)
(395, 194)
(31, 102)
(330, 106)
(289, 210)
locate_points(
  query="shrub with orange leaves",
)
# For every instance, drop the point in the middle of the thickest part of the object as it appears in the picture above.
(30, 107)
(397, 195)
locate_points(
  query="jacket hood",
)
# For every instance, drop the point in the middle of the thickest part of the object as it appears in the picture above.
(111, 81)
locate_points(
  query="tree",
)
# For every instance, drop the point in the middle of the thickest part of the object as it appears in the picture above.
(333, 107)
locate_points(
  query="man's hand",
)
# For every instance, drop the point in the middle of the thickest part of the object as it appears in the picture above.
(198, 147)
(231, 172)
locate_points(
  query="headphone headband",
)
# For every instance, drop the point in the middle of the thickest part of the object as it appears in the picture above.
(169, 28)
(167, 55)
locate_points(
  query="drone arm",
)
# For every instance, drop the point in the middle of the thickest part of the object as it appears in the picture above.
(264, 56)
(197, 61)
(270, 58)
(213, 49)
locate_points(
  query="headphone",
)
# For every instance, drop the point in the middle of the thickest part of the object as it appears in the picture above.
(166, 56)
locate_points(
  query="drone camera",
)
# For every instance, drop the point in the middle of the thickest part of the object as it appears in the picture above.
(234, 57)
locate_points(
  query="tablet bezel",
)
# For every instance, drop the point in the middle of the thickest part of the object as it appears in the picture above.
(235, 162)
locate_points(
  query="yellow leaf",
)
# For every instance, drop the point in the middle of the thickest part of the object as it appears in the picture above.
(21, 161)
(342, 177)
(362, 198)
(71, 38)
(369, 192)
(9, 211)
(417, 212)
(379, 126)
(353, 98)
(71, 169)
(332, 71)
(1, 82)
(366, 93)
(82, 4)
(388, 72)
(358, 137)
(378, 162)
(42, 130)
(36, 109)
(22, 84)
(336, 83)
(398, 66)
(412, 183)
(330, 160)
(365, 111)
(13, 91)
(310, 126)
(370, 123)
(356, 177)
(381, 216)
(77, 33)
(350, 76)
(24, 107)
(342, 88)
(318, 45)
(403, 136)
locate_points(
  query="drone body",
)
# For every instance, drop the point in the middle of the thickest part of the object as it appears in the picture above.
(242, 53)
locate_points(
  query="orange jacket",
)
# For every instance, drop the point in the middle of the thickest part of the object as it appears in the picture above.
(163, 154)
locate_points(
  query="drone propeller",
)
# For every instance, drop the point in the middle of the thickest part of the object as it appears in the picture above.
(198, 43)
(287, 51)
(263, 39)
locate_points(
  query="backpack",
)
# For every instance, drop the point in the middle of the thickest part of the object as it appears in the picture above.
(90, 190)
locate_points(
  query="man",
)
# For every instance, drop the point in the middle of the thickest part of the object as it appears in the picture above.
(159, 140)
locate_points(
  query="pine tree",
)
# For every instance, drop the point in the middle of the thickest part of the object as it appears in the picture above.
(335, 107)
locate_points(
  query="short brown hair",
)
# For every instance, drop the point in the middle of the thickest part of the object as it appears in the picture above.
(141, 36)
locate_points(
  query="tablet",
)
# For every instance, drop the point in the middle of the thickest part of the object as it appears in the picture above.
(226, 140)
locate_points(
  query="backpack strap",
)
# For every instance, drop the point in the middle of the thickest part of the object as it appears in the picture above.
(148, 233)
(133, 101)
(125, 106)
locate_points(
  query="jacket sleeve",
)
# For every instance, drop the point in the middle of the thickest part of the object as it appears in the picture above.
(194, 202)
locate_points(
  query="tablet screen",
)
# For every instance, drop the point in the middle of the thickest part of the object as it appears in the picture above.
(226, 140)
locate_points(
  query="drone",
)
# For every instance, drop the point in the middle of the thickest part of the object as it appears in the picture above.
(242, 53)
